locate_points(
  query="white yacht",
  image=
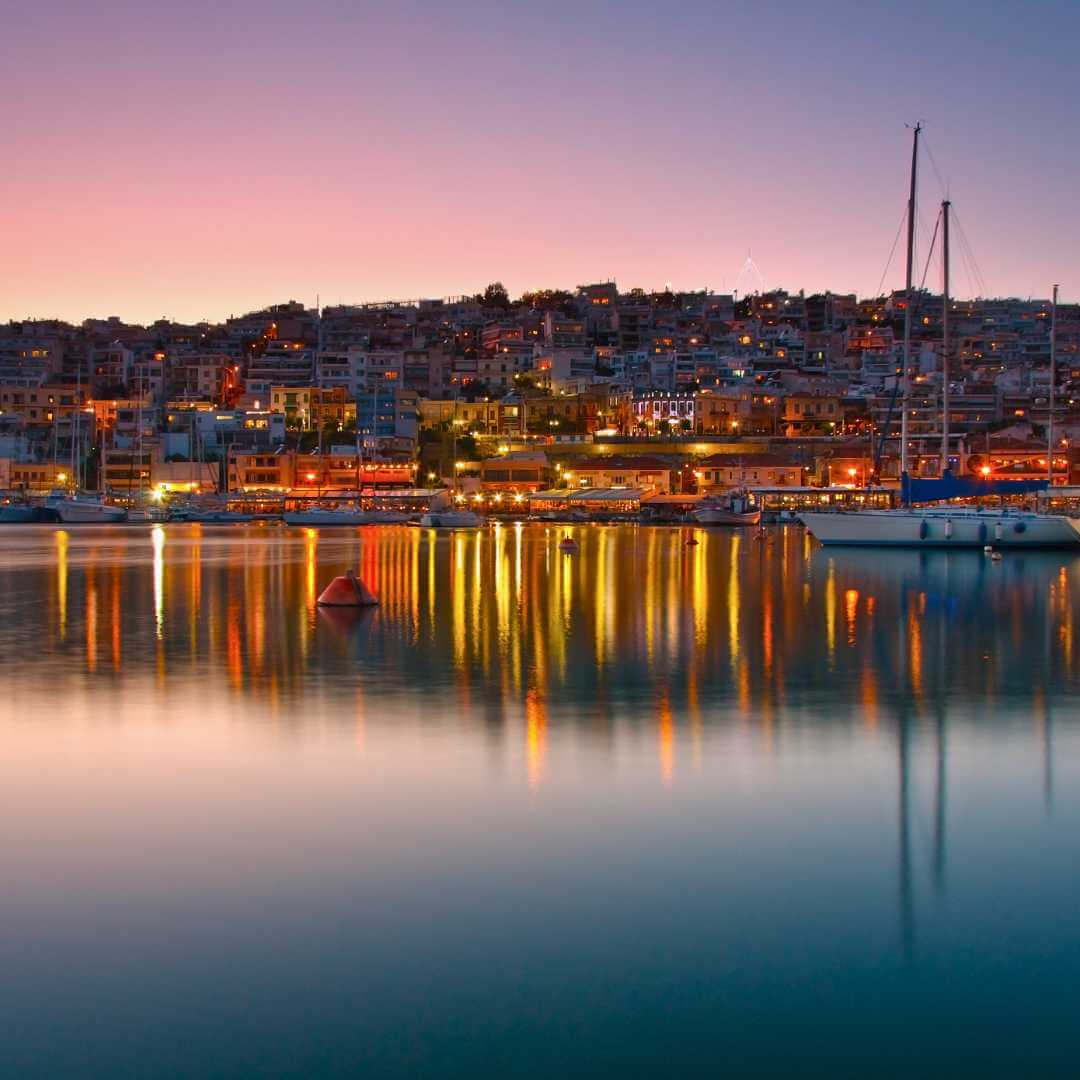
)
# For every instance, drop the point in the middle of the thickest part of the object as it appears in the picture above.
(82, 509)
(943, 527)
(939, 523)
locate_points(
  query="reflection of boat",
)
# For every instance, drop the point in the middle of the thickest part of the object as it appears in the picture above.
(734, 510)
(83, 509)
(943, 526)
(451, 519)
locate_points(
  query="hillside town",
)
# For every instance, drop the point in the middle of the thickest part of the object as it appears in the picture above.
(607, 398)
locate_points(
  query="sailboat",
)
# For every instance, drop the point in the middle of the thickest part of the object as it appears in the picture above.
(956, 526)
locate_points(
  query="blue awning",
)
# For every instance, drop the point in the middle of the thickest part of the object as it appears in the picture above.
(913, 490)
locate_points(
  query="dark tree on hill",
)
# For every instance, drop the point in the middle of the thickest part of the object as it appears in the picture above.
(547, 299)
(495, 295)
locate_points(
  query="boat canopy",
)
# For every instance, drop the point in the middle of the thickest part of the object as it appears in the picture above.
(915, 490)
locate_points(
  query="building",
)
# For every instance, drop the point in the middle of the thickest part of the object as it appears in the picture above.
(811, 414)
(721, 472)
(522, 470)
(42, 404)
(647, 473)
(339, 471)
(311, 408)
(36, 477)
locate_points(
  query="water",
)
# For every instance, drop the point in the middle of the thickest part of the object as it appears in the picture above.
(653, 809)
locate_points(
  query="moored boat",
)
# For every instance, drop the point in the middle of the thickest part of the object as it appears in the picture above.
(734, 510)
(451, 519)
(145, 515)
(83, 509)
(327, 516)
(17, 512)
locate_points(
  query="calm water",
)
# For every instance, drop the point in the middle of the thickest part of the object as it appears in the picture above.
(746, 807)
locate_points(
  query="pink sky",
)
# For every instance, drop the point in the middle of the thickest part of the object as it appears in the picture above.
(195, 162)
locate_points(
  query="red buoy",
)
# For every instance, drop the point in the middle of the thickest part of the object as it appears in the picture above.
(347, 590)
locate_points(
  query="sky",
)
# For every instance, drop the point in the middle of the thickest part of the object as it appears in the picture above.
(202, 159)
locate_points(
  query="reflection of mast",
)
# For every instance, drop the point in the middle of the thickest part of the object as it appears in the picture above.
(903, 813)
(942, 709)
(939, 806)
(1047, 732)
(1048, 758)
(907, 911)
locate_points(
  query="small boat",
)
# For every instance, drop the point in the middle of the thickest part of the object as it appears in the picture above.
(83, 509)
(736, 509)
(568, 545)
(210, 516)
(451, 519)
(328, 516)
(143, 515)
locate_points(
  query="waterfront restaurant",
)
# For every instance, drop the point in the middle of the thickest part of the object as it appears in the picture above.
(777, 501)
(586, 502)
(607, 502)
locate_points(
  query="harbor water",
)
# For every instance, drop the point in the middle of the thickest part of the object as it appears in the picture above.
(748, 806)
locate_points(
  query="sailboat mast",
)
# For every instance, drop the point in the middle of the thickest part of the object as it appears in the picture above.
(1053, 380)
(945, 207)
(76, 417)
(906, 381)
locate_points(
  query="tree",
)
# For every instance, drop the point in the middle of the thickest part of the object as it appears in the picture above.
(546, 299)
(495, 295)
(467, 448)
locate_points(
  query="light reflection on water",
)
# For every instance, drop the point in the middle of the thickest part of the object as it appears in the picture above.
(535, 810)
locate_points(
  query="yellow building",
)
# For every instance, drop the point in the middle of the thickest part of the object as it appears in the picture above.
(313, 407)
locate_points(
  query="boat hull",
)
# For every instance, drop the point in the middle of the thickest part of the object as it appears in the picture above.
(76, 513)
(327, 517)
(451, 519)
(727, 517)
(942, 529)
(17, 515)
